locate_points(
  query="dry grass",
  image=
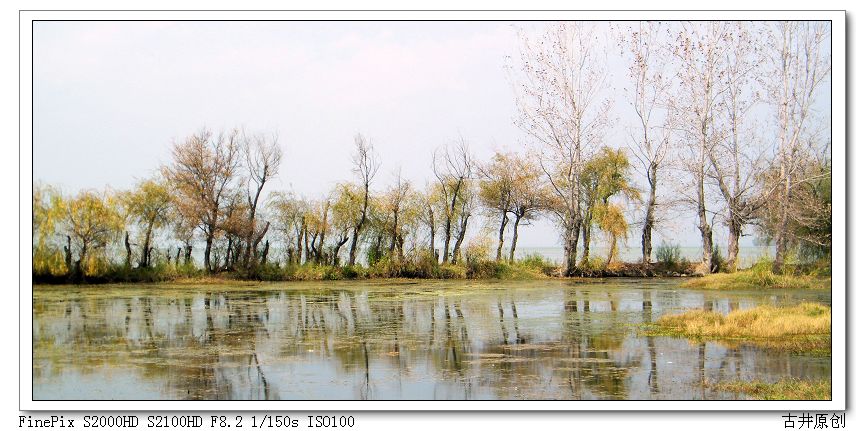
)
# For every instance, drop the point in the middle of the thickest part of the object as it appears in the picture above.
(747, 280)
(804, 328)
(784, 389)
(760, 276)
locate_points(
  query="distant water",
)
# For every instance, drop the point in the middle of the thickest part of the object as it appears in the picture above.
(747, 255)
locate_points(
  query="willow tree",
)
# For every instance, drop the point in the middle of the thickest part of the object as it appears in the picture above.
(348, 202)
(93, 221)
(495, 190)
(529, 196)
(559, 84)
(288, 213)
(202, 176)
(606, 175)
(149, 206)
(397, 204)
(48, 217)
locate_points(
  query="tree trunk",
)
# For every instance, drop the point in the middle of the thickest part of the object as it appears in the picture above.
(447, 232)
(571, 240)
(612, 250)
(187, 257)
(456, 255)
(514, 239)
(587, 239)
(502, 226)
(352, 251)
(177, 257)
(67, 254)
(306, 245)
(705, 266)
(393, 232)
(432, 234)
(82, 259)
(299, 248)
(735, 229)
(264, 252)
(208, 245)
(781, 237)
(227, 263)
(145, 249)
(128, 262)
(649, 222)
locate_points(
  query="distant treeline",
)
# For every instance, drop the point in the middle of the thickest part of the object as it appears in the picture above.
(695, 147)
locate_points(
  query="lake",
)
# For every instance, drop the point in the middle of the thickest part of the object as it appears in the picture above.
(394, 340)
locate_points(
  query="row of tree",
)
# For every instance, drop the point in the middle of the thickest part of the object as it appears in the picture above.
(722, 108)
(701, 94)
(212, 194)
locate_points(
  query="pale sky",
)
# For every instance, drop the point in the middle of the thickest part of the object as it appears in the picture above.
(109, 97)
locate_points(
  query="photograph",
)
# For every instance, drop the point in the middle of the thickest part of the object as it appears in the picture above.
(468, 209)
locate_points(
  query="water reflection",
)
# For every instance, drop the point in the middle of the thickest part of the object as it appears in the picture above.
(435, 340)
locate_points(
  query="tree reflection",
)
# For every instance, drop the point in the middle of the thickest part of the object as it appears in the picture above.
(367, 344)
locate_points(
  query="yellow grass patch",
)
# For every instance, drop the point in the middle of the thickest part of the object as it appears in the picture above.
(804, 328)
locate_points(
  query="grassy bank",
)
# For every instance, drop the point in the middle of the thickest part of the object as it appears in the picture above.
(785, 389)
(760, 276)
(532, 267)
(801, 329)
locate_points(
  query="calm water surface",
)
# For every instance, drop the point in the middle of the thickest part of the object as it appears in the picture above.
(392, 340)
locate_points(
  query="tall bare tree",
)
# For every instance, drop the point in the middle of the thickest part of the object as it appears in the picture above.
(262, 156)
(700, 49)
(366, 164)
(650, 87)
(737, 159)
(202, 175)
(799, 64)
(559, 84)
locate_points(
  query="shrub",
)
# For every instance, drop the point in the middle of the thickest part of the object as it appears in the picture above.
(719, 264)
(448, 271)
(670, 257)
(537, 263)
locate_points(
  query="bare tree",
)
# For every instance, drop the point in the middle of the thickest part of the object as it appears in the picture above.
(700, 49)
(650, 144)
(366, 164)
(799, 64)
(202, 175)
(737, 167)
(560, 100)
(452, 167)
(263, 157)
